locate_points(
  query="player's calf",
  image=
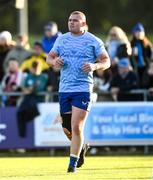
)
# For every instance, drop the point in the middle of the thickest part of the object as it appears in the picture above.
(66, 124)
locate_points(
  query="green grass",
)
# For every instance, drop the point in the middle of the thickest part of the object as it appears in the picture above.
(101, 168)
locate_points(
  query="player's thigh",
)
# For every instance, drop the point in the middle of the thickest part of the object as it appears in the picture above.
(78, 117)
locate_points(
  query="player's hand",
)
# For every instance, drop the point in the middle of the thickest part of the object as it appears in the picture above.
(89, 67)
(58, 62)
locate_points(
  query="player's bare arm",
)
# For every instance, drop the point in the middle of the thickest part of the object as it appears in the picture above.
(102, 62)
(54, 60)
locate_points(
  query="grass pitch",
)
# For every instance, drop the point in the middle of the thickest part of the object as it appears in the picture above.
(54, 168)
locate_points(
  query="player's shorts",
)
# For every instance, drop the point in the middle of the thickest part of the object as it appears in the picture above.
(80, 100)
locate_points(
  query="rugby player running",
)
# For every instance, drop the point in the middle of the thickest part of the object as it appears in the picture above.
(77, 53)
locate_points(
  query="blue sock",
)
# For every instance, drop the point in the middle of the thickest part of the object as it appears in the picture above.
(73, 161)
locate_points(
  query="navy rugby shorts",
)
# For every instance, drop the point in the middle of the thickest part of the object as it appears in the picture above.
(80, 100)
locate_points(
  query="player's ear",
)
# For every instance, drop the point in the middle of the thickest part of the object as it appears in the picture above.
(84, 23)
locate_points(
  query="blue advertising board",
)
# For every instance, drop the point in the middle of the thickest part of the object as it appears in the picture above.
(120, 123)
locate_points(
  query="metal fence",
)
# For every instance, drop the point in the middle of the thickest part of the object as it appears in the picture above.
(53, 96)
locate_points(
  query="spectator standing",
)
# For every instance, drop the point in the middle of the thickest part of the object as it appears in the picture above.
(20, 51)
(141, 51)
(50, 35)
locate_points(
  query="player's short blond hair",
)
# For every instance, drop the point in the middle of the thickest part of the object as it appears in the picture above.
(79, 13)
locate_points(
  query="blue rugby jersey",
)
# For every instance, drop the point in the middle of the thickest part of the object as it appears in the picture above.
(75, 51)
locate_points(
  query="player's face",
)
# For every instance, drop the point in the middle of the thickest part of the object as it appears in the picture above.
(76, 23)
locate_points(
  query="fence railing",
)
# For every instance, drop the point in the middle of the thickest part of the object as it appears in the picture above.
(143, 92)
(53, 96)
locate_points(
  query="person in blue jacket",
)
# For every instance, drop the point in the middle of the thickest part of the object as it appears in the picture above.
(50, 35)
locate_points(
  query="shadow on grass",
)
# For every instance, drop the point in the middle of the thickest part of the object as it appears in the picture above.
(116, 168)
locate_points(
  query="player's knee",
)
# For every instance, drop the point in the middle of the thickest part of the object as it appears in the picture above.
(67, 133)
(77, 129)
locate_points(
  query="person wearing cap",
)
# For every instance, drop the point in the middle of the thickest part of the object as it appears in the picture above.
(50, 35)
(141, 50)
(124, 81)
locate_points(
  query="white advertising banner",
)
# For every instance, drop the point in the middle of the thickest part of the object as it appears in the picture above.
(47, 127)
(121, 123)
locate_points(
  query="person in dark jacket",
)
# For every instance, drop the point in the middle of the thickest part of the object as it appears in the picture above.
(124, 81)
(141, 50)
